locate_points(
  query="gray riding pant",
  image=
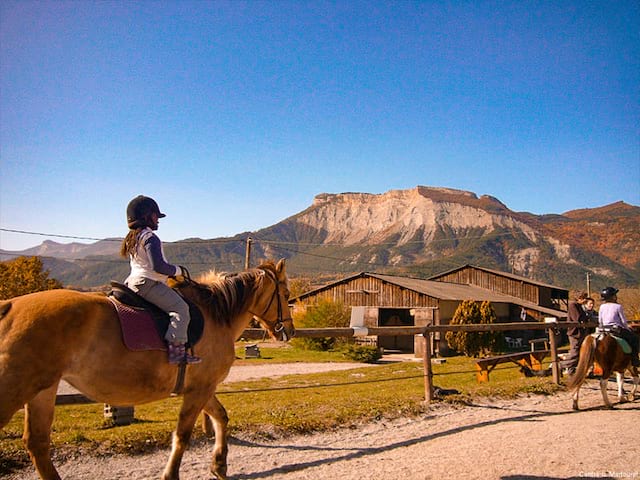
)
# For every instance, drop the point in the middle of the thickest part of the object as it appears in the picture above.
(168, 300)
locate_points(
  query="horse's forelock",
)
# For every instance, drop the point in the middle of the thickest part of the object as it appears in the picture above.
(270, 267)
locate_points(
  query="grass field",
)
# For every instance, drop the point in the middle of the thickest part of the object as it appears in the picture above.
(278, 406)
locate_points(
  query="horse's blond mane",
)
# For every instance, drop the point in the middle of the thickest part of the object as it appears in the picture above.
(211, 277)
(222, 295)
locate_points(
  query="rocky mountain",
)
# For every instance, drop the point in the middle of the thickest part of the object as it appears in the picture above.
(70, 251)
(419, 232)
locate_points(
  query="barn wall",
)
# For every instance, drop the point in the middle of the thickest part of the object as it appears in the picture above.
(495, 283)
(370, 292)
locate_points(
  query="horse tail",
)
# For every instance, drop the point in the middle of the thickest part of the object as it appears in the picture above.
(587, 352)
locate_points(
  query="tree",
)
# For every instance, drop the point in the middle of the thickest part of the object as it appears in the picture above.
(473, 344)
(325, 314)
(24, 275)
(491, 341)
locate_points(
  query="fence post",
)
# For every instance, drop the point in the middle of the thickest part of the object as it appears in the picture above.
(428, 374)
(553, 344)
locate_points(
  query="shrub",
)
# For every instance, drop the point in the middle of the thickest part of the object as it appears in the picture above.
(326, 314)
(473, 344)
(362, 353)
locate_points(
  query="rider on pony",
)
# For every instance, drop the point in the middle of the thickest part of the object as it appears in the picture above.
(150, 271)
(611, 317)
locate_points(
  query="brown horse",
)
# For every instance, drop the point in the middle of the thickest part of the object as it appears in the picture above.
(607, 353)
(64, 334)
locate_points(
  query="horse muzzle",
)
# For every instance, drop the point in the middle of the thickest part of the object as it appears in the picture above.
(285, 330)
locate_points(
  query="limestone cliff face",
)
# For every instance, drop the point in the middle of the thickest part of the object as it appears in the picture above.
(418, 214)
(427, 228)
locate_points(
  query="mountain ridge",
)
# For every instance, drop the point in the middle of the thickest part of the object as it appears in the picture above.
(419, 231)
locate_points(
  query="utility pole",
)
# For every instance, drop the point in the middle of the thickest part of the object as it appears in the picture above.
(588, 284)
(247, 255)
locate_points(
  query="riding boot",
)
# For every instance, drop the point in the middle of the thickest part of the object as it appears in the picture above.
(178, 354)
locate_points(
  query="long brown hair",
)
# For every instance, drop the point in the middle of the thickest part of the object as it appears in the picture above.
(130, 242)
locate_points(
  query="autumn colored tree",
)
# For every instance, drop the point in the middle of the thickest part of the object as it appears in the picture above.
(24, 275)
(298, 286)
(326, 314)
(630, 300)
(473, 344)
(491, 341)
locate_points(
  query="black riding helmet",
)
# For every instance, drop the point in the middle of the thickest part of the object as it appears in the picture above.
(608, 293)
(139, 211)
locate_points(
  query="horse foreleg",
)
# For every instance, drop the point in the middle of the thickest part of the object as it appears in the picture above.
(217, 415)
(620, 382)
(207, 425)
(38, 418)
(191, 408)
(603, 388)
(636, 381)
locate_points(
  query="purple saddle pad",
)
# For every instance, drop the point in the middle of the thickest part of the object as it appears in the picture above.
(139, 330)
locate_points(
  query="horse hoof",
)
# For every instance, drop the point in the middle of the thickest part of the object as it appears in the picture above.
(219, 473)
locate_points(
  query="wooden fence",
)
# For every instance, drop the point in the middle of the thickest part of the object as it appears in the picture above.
(426, 332)
(552, 328)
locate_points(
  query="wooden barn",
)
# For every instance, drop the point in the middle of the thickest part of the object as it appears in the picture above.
(386, 300)
(538, 293)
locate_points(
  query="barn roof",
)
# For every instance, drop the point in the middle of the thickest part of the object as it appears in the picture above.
(499, 273)
(441, 291)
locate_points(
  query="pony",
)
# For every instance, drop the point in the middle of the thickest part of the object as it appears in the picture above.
(608, 354)
(76, 336)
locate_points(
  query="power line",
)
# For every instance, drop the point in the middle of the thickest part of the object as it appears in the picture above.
(71, 237)
(281, 245)
(115, 239)
(510, 233)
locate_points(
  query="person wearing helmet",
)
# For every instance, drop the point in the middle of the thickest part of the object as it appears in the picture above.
(150, 271)
(611, 316)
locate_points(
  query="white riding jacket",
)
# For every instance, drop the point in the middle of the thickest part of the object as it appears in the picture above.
(148, 261)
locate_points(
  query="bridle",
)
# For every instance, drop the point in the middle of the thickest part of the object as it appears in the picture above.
(279, 324)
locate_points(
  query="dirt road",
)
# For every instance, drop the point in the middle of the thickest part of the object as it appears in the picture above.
(531, 438)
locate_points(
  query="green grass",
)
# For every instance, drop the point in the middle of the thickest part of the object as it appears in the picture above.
(269, 408)
(286, 354)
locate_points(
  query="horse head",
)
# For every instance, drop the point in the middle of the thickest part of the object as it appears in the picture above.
(271, 304)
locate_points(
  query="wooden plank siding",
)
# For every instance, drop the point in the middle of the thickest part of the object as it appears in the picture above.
(515, 287)
(367, 291)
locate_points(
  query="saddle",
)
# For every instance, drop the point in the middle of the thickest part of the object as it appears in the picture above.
(144, 324)
(601, 332)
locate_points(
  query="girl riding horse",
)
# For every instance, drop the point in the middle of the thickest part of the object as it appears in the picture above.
(150, 271)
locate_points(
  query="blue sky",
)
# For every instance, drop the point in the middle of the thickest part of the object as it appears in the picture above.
(234, 115)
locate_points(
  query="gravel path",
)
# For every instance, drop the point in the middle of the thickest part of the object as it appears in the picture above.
(530, 438)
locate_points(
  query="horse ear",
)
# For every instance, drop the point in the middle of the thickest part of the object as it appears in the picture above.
(280, 266)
